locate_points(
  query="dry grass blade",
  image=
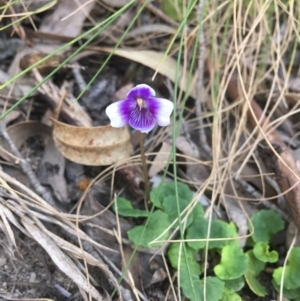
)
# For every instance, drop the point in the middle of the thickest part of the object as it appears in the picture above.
(53, 244)
(63, 262)
(276, 155)
(6, 227)
(13, 220)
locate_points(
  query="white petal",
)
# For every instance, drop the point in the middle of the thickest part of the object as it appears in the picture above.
(164, 111)
(117, 119)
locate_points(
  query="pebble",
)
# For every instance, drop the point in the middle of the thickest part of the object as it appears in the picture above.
(32, 277)
(2, 261)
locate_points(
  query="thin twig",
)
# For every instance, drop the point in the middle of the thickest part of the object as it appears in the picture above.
(201, 58)
(78, 76)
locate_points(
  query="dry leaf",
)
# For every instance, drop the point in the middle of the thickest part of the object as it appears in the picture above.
(44, 68)
(134, 270)
(67, 19)
(116, 3)
(194, 170)
(238, 215)
(102, 145)
(157, 61)
(160, 160)
(52, 159)
(292, 234)
(132, 176)
(123, 91)
(159, 276)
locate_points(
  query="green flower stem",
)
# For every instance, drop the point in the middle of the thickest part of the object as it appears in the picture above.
(145, 171)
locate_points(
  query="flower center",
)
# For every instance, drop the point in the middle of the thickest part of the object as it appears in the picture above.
(141, 103)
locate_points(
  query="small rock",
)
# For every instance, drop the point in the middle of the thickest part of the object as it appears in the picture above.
(2, 261)
(32, 277)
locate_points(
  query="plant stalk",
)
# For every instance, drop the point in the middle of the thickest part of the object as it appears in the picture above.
(145, 171)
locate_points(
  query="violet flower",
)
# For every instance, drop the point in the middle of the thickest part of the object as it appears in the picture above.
(141, 110)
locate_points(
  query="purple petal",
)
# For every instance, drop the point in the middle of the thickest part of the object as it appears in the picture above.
(141, 91)
(161, 109)
(142, 120)
(119, 112)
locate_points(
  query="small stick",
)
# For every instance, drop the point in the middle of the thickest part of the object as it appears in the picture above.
(201, 58)
(145, 171)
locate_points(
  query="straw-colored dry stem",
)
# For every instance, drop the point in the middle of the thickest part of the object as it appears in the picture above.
(276, 156)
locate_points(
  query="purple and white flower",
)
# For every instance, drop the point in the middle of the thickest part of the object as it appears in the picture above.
(141, 110)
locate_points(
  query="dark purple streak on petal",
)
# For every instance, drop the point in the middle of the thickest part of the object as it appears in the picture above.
(142, 120)
(126, 107)
(152, 106)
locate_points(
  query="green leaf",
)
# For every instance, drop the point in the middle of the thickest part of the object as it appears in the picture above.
(170, 207)
(232, 233)
(266, 223)
(143, 235)
(219, 229)
(197, 212)
(190, 284)
(291, 271)
(214, 288)
(173, 255)
(255, 266)
(125, 209)
(261, 252)
(233, 263)
(189, 269)
(229, 295)
(255, 286)
(235, 284)
(164, 197)
(290, 294)
(160, 193)
(175, 9)
(194, 291)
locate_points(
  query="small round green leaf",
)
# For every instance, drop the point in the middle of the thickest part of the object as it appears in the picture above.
(214, 288)
(266, 223)
(261, 252)
(142, 235)
(173, 255)
(235, 285)
(290, 294)
(291, 271)
(229, 295)
(125, 209)
(233, 263)
(219, 229)
(160, 193)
